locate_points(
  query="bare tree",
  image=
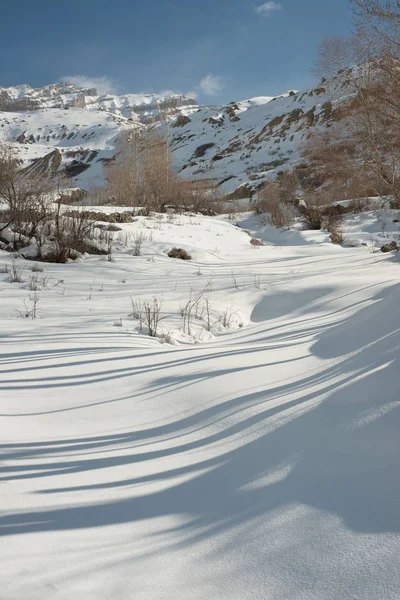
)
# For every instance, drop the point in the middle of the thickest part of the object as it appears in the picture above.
(27, 196)
(368, 68)
(381, 18)
(123, 174)
(277, 211)
(142, 176)
(71, 234)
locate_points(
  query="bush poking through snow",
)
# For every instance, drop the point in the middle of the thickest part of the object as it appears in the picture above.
(278, 212)
(16, 271)
(227, 316)
(332, 224)
(109, 243)
(37, 268)
(30, 312)
(148, 313)
(91, 215)
(72, 236)
(313, 217)
(179, 253)
(138, 239)
(234, 280)
(337, 237)
(36, 282)
(192, 309)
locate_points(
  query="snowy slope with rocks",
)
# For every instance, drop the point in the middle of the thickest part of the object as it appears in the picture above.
(248, 142)
(242, 143)
(74, 136)
(256, 460)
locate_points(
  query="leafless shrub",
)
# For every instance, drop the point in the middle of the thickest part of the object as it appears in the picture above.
(148, 314)
(288, 186)
(125, 237)
(171, 217)
(36, 282)
(191, 309)
(37, 268)
(277, 212)
(16, 271)
(72, 234)
(314, 207)
(333, 224)
(234, 281)
(30, 312)
(359, 205)
(227, 316)
(139, 238)
(109, 244)
(208, 314)
(26, 193)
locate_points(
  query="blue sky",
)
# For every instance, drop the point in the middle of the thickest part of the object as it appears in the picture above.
(222, 50)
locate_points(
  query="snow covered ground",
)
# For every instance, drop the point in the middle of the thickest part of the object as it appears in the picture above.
(259, 460)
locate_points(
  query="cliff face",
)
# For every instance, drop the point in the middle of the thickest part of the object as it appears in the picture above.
(149, 107)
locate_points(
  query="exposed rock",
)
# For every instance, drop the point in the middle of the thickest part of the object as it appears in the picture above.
(179, 253)
(47, 164)
(201, 150)
(75, 168)
(181, 121)
(390, 247)
(78, 102)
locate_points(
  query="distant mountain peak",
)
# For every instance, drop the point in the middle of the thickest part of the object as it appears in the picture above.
(65, 94)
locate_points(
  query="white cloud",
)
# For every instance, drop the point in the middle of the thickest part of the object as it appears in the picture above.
(191, 94)
(107, 85)
(103, 85)
(211, 85)
(167, 93)
(267, 8)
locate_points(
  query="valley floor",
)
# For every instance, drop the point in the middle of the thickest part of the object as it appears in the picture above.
(257, 461)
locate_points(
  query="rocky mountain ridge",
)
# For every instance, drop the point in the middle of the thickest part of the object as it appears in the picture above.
(65, 95)
(236, 146)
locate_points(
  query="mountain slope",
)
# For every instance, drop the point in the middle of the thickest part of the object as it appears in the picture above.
(244, 142)
(247, 142)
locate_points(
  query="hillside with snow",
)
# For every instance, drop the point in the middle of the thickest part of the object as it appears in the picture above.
(242, 143)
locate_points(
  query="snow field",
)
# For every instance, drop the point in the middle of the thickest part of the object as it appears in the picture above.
(258, 461)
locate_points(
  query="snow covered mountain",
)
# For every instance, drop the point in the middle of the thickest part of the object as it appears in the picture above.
(65, 95)
(241, 143)
(244, 143)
